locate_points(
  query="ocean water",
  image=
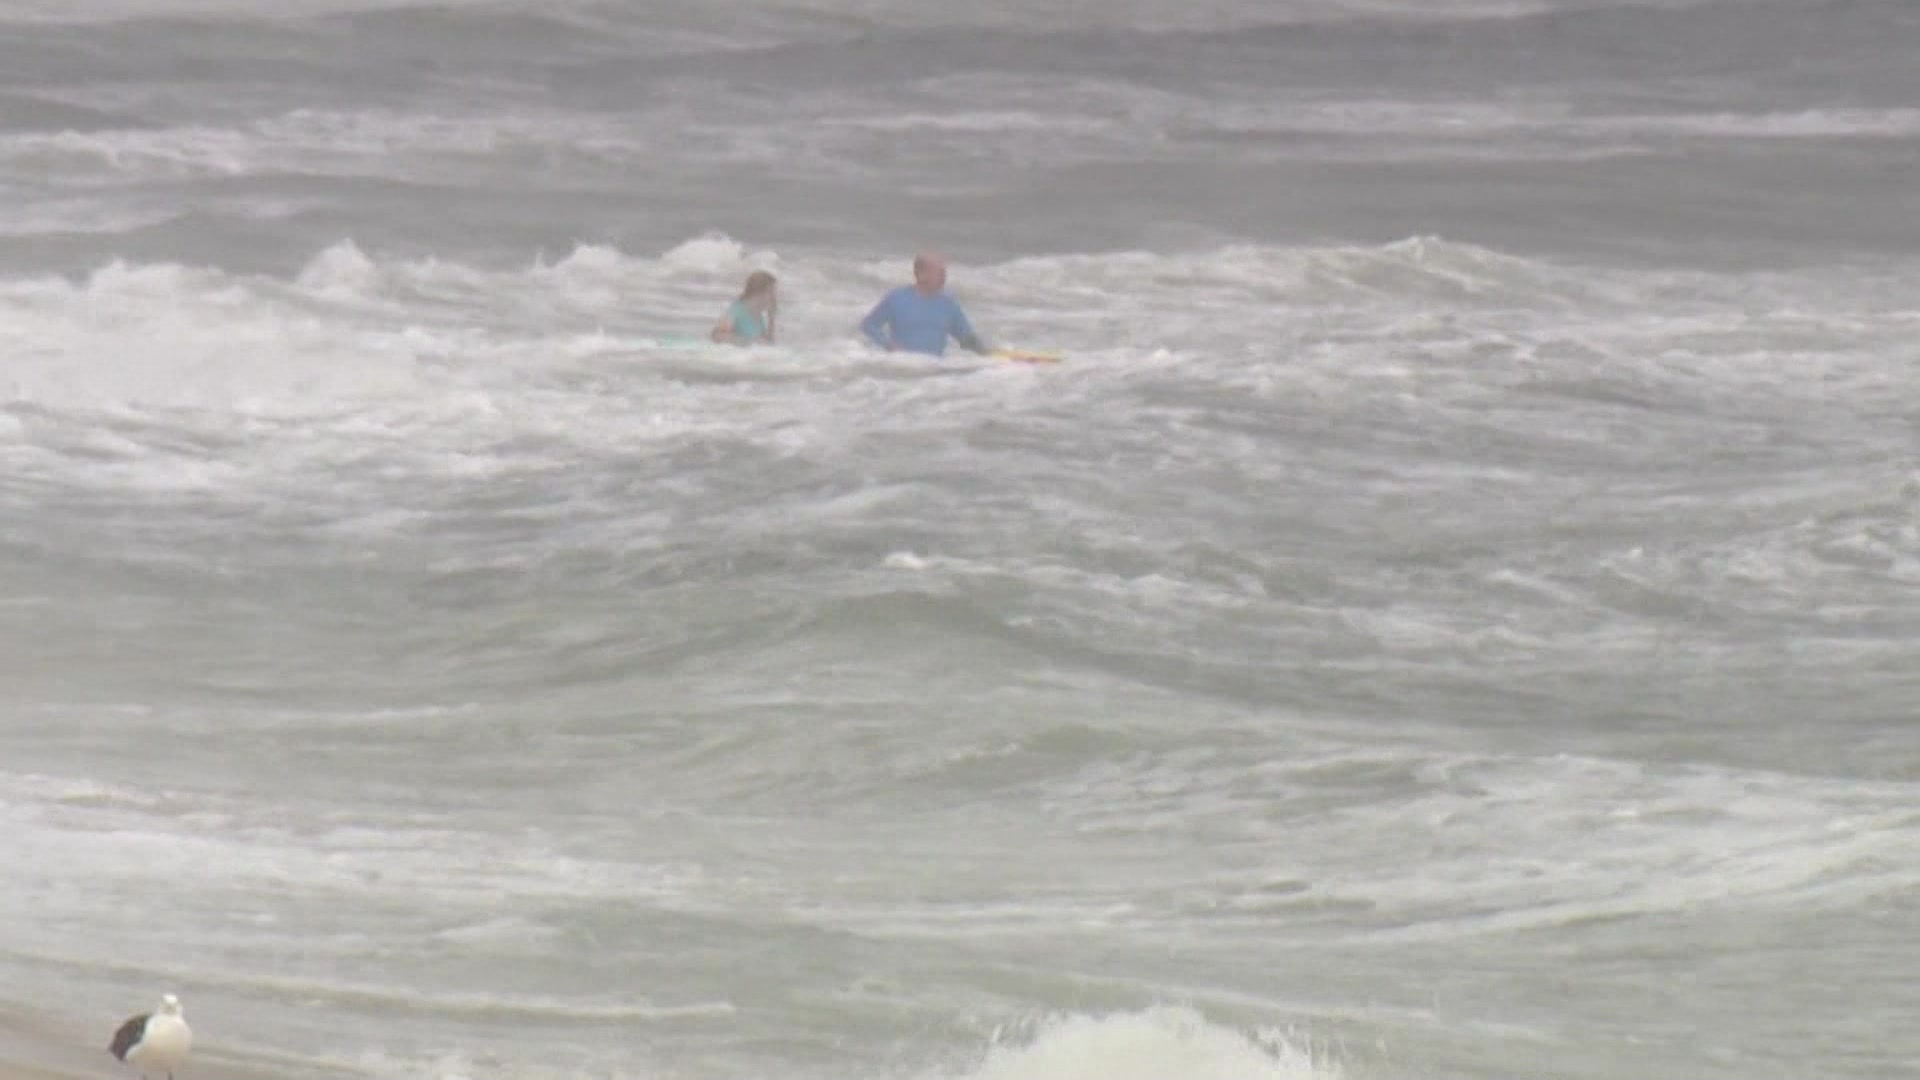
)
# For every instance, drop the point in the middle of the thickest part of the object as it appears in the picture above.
(1452, 614)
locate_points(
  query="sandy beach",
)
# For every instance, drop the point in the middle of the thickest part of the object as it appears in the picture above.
(39, 1048)
(34, 1047)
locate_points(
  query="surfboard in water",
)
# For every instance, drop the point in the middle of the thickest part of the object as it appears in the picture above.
(1018, 356)
(677, 342)
(1027, 356)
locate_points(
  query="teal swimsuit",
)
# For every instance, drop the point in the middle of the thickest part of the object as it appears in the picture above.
(748, 326)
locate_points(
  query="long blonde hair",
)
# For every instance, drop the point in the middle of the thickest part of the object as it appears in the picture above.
(758, 282)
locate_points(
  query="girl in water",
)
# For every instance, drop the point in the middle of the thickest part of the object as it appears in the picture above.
(749, 320)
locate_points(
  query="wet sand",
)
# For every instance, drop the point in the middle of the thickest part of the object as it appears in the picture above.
(57, 1048)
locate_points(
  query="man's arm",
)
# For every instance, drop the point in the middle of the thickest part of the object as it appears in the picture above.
(962, 332)
(875, 325)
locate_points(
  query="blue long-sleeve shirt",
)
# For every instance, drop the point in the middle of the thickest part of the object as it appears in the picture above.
(908, 319)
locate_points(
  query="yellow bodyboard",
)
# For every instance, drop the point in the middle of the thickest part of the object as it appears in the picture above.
(1026, 356)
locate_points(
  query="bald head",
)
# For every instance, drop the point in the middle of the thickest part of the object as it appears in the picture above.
(929, 273)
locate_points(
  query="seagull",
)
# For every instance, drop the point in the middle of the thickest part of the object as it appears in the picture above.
(155, 1042)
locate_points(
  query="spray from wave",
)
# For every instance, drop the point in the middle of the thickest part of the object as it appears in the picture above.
(1162, 1043)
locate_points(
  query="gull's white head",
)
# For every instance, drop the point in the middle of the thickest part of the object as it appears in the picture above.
(169, 1005)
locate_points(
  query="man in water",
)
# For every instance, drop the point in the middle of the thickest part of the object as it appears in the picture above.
(920, 317)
